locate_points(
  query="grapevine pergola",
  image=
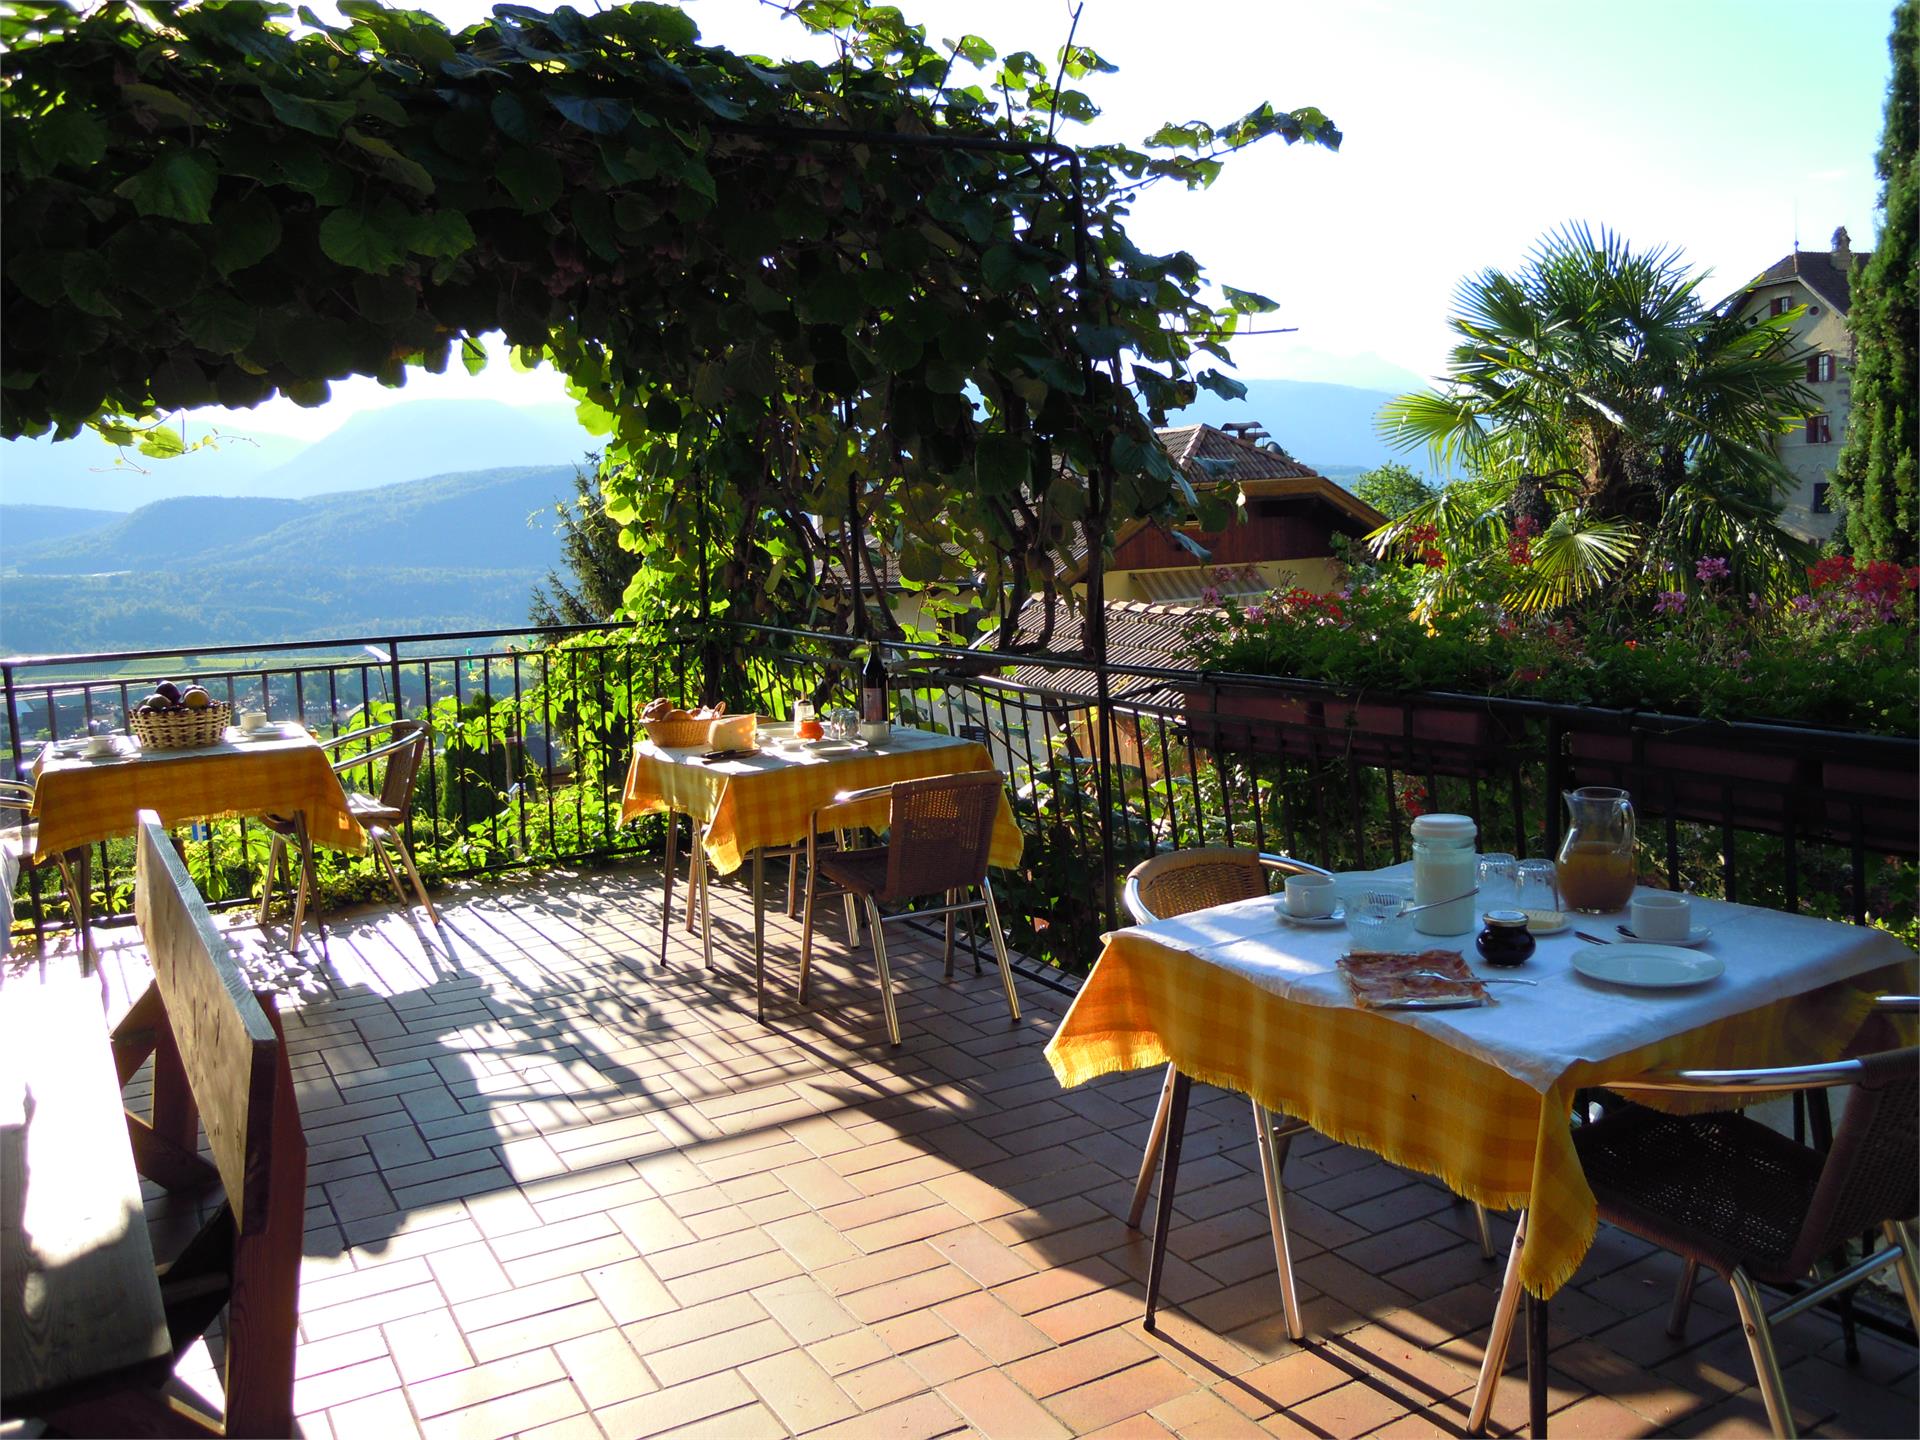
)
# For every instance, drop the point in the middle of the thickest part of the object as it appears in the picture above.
(800, 301)
(796, 299)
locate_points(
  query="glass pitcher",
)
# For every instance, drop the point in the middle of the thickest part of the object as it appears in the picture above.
(1595, 865)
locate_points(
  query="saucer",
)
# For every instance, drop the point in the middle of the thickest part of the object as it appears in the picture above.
(1699, 935)
(1310, 922)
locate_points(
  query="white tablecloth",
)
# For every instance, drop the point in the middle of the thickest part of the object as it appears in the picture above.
(1535, 1033)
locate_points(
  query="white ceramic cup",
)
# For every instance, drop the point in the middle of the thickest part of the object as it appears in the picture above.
(253, 719)
(1309, 896)
(100, 745)
(1660, 916)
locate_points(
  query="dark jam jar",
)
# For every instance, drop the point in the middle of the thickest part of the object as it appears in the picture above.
(1505, 941)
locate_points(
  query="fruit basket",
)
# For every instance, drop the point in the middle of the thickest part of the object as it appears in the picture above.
(182, 729)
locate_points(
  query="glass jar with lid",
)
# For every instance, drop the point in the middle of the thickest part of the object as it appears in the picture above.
(1445, 869)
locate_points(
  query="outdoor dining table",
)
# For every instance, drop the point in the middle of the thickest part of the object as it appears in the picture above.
(80, 799)
(748, 804)
(1480, 1098)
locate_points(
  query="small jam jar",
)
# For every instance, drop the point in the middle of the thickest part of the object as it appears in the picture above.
(1505, 941)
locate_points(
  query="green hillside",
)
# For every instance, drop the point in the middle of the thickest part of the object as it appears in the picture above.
(455, 552)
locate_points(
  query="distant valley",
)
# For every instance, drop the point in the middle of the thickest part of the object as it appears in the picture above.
(426, 515)
(455, 552)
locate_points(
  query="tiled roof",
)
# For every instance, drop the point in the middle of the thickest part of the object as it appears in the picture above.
(1818, 271)
(1138, 633)
(1207, 456)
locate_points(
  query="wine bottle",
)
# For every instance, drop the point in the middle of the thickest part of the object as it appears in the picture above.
(873, 689)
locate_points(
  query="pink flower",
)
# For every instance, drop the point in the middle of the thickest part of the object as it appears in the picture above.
(1670, 602)
(1713, 567)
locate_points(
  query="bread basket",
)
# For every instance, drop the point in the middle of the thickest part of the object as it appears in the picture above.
(674, 734)
(187, 730)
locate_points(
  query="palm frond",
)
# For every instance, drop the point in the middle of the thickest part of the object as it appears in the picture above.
(1577, 556)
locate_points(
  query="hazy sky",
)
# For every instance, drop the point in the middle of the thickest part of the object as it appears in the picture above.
(1472, 127)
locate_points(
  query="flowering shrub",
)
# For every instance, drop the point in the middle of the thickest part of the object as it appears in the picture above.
(1843, 653)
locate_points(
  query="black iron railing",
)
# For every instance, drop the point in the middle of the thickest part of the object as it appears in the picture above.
(533, 731)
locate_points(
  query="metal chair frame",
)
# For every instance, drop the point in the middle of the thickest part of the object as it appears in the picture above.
(877, 920)
(418, 737)
(1755, 1319)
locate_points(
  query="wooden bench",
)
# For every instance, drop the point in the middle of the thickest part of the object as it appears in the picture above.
(219, 1064)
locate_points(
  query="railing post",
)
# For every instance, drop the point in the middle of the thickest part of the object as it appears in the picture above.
(399, 700)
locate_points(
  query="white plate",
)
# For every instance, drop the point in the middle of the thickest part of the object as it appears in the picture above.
(1649, 967)
(1699, 935)
(1310, 922)
(832, 747)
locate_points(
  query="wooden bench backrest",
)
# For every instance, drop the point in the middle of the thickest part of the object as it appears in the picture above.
(227, 1045)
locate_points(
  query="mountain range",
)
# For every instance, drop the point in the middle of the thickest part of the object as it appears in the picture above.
(430, 514)
(453, 552)
(408, 441)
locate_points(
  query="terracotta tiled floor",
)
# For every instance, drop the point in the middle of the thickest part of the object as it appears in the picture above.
(561, 1189)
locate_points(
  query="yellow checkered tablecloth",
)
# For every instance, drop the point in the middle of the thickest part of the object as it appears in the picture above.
(79, 801)
(1366, 1079)
(766, 799)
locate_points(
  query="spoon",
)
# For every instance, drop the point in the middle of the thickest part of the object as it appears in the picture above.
(1380, 898)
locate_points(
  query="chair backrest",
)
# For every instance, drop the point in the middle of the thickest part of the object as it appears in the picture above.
(403, 745)
(1872, 1172)
(1179, 881)
(939, 832)
(227, 1045)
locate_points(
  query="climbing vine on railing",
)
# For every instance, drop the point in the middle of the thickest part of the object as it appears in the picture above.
(789, 294)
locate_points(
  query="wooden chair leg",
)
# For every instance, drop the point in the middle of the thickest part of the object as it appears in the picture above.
(886, 975)
(1150, 1157)
(413, 874)
(275, 855)
(793, 885)
(1000, 948)
(386, 863)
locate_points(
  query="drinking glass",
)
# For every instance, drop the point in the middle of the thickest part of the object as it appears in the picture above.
(841, 724)
(1499, 881)
(1377, 921)
(1539, 891)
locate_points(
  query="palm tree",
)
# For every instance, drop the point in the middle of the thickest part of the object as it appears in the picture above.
(1595, 394)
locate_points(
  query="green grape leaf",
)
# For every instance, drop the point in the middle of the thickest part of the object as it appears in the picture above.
(178, 186)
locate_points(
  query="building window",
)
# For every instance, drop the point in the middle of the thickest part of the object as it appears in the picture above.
(1781, 304)
(1819, 432)
(1820, 367)
(1820, 505)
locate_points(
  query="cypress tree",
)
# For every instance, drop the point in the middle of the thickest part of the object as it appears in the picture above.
(1876, 474)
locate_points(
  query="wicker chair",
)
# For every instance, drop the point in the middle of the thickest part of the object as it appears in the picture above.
(21, 839)
(1728, 1192)
(404, 747)
(1177, 883)
(939, 832)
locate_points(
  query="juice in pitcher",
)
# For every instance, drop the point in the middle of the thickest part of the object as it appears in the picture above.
(1595, 864)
